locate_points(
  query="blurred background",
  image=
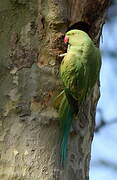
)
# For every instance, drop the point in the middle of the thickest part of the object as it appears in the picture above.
(104, 147)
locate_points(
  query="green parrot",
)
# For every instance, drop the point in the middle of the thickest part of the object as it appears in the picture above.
(79, 71)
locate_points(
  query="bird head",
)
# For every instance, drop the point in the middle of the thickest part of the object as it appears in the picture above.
(73, 36)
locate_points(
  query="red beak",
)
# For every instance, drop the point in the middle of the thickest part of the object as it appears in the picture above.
(66, 39)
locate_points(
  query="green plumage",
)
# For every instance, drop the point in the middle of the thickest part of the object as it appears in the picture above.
(79, 72)
(66, 116)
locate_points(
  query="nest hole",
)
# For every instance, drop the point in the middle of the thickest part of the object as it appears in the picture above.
(80, 26)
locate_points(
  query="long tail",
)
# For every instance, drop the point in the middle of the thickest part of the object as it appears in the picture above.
(66, 116)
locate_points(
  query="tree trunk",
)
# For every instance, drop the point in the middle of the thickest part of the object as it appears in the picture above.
(31, 38)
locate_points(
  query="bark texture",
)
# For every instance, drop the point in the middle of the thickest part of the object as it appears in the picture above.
(31, 37)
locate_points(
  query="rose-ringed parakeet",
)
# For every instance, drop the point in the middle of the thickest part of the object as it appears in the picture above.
(79, 71)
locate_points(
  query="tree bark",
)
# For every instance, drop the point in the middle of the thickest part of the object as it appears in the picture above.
(31, 38)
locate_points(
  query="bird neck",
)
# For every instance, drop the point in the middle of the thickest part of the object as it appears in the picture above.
(73, 48)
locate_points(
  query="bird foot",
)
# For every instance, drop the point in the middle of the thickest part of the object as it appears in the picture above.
(62, 55)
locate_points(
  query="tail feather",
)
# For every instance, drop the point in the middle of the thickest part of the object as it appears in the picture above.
(66, 116)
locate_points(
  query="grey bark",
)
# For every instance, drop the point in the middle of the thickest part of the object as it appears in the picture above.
(31, 38)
